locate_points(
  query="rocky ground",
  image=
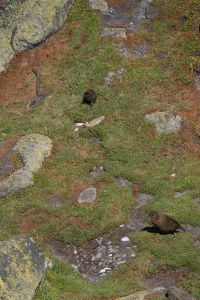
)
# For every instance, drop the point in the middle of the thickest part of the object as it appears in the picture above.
(79, 181)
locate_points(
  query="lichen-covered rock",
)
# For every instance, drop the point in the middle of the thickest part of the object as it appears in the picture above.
(165, 122)
(22, 267)
(99, 4)
(35, 21)
(115, 32)
(175, 293)
(32, 148)
(87, 196)
(17, 181)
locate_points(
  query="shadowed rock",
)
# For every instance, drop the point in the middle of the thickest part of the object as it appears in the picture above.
(96, 258)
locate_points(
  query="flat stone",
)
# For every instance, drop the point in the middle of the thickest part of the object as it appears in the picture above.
(142, 199)
(94, 122)
(144, 295)
(180, 194)
(194, 231)
(123, 181)
(164, 122)
(129, 14)
(55, 202)
(112, 75)
(97, 171)
(175, 293)
(134, 52)
(115, 32)
(22, 267)
(99, 5)
(87, 196)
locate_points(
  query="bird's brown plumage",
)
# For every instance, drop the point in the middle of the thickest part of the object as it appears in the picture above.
(165, 223)
(89, 97)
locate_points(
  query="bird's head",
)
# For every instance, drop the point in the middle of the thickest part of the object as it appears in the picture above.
(154, 215)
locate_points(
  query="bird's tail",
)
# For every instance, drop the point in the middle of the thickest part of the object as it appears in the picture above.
(181, 228)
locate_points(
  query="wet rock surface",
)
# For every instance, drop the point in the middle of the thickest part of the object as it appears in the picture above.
(96, 258)
(32, 148)
(164, 122)
(130, 14)
(100, 256)
(22, 267)
(31, 22)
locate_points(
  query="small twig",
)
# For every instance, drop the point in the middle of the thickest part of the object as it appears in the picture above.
(39, 96)
(12, 38)
(38, 81)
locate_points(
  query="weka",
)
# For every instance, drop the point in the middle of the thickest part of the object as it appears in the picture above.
(164, 223)
(89, 97)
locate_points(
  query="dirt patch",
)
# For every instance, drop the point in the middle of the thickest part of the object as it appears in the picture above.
(33, 217)
(76, 221)
(6, 146)
(26, 225)
(18, 82)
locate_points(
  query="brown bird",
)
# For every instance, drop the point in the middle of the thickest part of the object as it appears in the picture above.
(89, 97)
(164, 223)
